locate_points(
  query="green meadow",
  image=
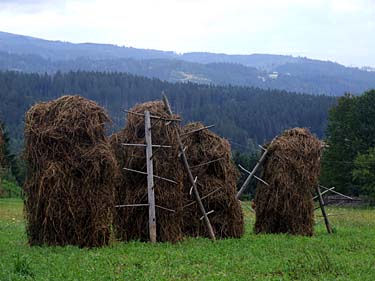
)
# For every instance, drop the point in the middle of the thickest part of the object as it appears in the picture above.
(348, 254)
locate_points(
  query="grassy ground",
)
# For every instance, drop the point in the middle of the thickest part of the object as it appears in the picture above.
(348, 254)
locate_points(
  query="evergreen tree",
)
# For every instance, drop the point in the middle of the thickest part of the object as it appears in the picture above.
(10, 164)
(239, 113)
(364, 173)
(350, 132)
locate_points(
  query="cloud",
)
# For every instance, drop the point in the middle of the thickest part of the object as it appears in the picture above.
(338, 30)
(350, 6)
(30, 6)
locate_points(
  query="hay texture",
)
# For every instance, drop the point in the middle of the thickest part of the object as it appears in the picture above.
(291, 169)
(69, 189)
(131, 223)
(216, 183)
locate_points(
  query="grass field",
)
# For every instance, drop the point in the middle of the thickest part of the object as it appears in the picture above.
(348, 254)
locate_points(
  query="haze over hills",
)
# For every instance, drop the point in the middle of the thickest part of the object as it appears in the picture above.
(297, 74)
(58, 50)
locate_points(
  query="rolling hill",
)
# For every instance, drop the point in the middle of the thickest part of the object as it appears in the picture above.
(28, 54)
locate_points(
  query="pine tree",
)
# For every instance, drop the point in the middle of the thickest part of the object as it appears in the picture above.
(364, 173)
(350, 132)
(10, 164)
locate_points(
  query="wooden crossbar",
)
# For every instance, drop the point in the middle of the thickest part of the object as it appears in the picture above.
(252, 173)
(197, 130)
(191, 177)
(144, 173)
(153, 116)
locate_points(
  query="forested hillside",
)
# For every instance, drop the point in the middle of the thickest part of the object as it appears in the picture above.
(242, 114)
(296, 74)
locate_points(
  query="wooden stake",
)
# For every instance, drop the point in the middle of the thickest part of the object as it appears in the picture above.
(197, 130)
(334, 191)
(150, 179)
(191, 178)
(324, 192)
(166, 209)
(144, 173)
(242, 189)
(207, 163)
(131, 205)
(204, 197)
(262, 181)
(143, 145)
(321, 203)
(152, 116)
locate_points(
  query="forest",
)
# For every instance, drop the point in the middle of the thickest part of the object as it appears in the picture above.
(246, 116)
(294, 74)
(303, 75)
(349, 157)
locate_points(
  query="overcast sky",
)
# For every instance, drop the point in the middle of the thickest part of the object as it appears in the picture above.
(337, 30)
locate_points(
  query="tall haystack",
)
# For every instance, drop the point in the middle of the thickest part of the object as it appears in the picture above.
(131, 223)
(210, 160)
(291, 169)
(69, 188)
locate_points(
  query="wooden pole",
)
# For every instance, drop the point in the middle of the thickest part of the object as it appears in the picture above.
(324, 192)
(197, 130)
(191, 177)
(145, 173)
(150, 179)
(207, 163)
(321, 204)
(242, 189)
(203, 197)
(131, 205)
(152, 116)
(334, 191)
(143, 145)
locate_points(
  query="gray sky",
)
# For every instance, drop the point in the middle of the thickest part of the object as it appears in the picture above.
(337, 30)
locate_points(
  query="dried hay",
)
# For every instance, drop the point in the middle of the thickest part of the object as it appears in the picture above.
(69, 189)
(291, 169)
(227, 219)
(131, 223)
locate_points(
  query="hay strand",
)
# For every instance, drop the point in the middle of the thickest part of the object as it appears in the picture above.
(131, 223)
(69, 189)
(291, 169)
(210, 160)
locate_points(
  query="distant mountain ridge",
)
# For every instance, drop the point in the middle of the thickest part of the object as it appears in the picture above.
(28, 54)
(59, 50)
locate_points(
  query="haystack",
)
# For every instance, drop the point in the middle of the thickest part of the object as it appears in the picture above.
(131, 223)
(216, 184)
(291, 169)
(69, 188)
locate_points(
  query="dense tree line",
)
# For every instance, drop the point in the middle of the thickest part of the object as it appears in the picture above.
(349, 156)
(301, 75)
(243, 115)
(11, 166)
